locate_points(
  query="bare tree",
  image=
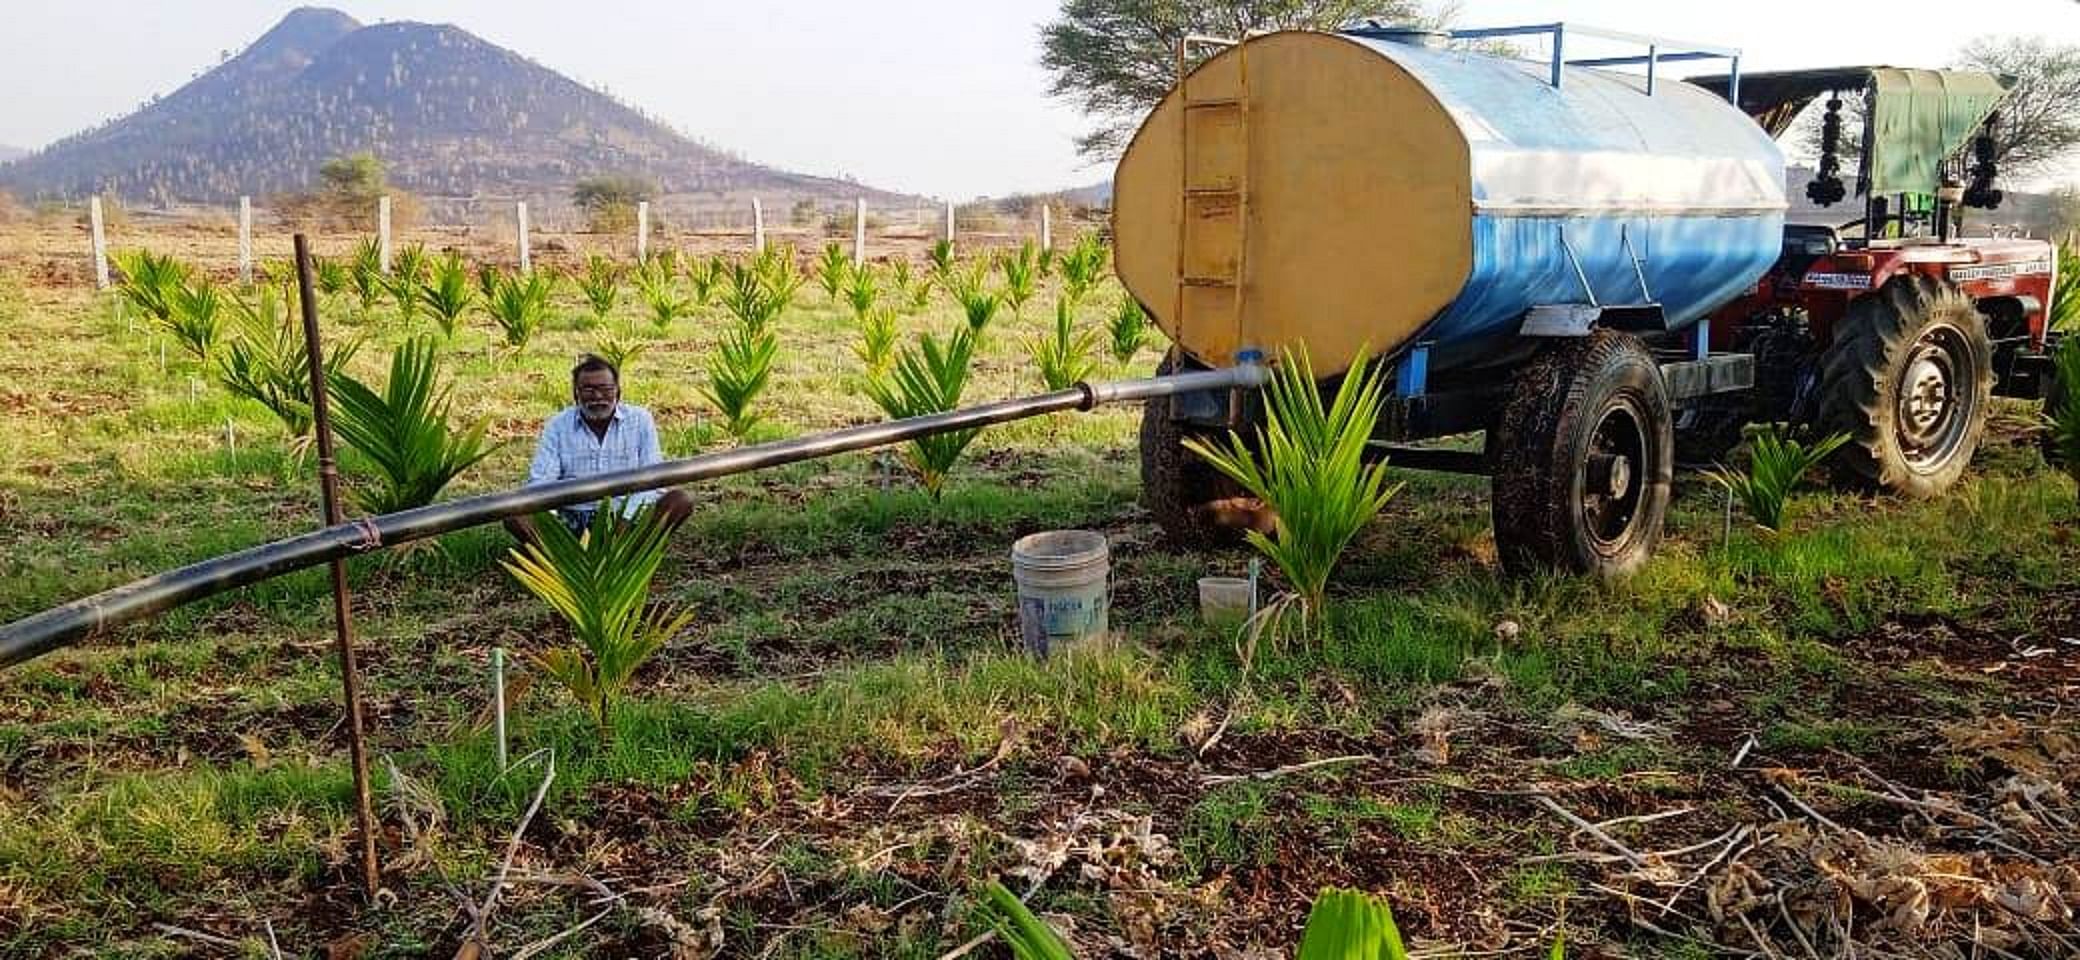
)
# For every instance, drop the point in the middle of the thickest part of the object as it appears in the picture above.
(2040, 119)
(1117, 58)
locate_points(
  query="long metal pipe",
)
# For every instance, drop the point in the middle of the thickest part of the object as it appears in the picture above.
(87, 617)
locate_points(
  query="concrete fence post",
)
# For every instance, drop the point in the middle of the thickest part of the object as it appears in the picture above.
(245, 239)
(758, 226)
(383, 232)
(949, 221)
(859, 232)
(642, 230)
(1046, 227)
(100, 242)
(520, 216)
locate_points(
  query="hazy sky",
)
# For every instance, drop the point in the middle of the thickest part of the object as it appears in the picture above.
(928, 96)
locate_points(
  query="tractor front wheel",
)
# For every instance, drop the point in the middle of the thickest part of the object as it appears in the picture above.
(1584, 459)
(1909, 378)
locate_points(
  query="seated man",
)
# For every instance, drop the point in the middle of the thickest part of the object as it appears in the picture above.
(598, 434)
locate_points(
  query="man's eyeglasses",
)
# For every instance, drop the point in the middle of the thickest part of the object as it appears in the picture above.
(592, 391)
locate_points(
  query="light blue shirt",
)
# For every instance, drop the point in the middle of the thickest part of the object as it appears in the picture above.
(568, 449)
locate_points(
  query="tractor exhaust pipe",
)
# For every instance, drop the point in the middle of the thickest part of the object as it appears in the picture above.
(88, 617)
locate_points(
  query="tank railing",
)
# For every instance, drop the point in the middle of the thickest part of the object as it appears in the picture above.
(1659, 50)
(87, 617)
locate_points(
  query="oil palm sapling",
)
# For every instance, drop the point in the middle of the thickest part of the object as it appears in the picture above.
(266, 361)
(2062, 410)
(978, 307)
(738, 373)
(776, 267)
(197, 319)
(406, 272)
(1775, 464)
(598, 582)
(659, 291)
(751, 298)
(601, 285)
(446, 292)
(929, 380)
(833, 270)
(1308, 465)
(877, 341)
(1021, 277)
(1129, 329)
(150, 282)
(405, 431)
(1065, 356)
(367, 272)
(862, 291)
(942, 258)
(519, 304)
(1082, 267)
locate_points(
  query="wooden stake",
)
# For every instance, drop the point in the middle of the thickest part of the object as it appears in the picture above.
(245, 239)
(520, 214)
(342, 602)
(100, 242)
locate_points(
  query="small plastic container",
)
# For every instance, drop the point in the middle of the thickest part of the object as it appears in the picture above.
(1064, 588)
(1224, 601)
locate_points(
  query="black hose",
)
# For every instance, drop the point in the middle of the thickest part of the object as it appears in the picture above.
(87, 617)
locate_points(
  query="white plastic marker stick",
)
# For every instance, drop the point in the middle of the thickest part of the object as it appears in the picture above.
(230, 440)
(100, 242)
(162, 358)
(191, 390)
(758, 226)
(245, 239)
(1256, 569)
(949, 221)
(383, 232)
(1046, 227)
(520, 214)
(859, 232)
(642, 230)
(498, 702)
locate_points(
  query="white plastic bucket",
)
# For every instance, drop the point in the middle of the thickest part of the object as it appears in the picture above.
(1225, 601)
(1063, 579)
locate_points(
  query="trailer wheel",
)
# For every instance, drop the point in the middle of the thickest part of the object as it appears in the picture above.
(1584, 458)
(1178, 488)
(1909, 378)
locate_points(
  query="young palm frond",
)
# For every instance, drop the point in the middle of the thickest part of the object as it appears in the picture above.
(776, 268)
(601, 285)
(979, 307)
(1027, 936)
(407, 271)
(665, 261)
(2065, 301)
(267, 362)
(2063, 416)
(446, 292)
(598, 582)
(367, 272)
(1083, 267)
(1021, 277)
(404, 431)
(862, 291)
(487, 275)
(1307, 465)
(738, 373)
(877, 340)
(334, 276)
(198, 317)
(150, 282)
(1129, 329)
(750, 297)
(929, 380)
(659, 292)
(278, 271)
(1775, 464)
(833, 271)
(619, 352)
(1347, 924)
(519, 304)
(704, 274)
(942, 260)
(1064, 358)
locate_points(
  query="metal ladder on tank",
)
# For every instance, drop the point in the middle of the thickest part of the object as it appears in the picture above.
(1238, 193)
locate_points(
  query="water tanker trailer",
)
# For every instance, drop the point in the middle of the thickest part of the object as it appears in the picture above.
(1582, 259)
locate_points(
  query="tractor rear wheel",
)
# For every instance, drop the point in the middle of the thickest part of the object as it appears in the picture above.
(1179, 488)
(1584, 459)
(1909, 378)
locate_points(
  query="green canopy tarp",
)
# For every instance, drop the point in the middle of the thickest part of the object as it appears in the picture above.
(1919, 118)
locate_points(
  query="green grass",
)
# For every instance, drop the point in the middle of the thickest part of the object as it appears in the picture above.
(853, 632)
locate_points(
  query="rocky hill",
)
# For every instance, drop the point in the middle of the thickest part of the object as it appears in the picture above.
(451, 115)
(9, 153)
